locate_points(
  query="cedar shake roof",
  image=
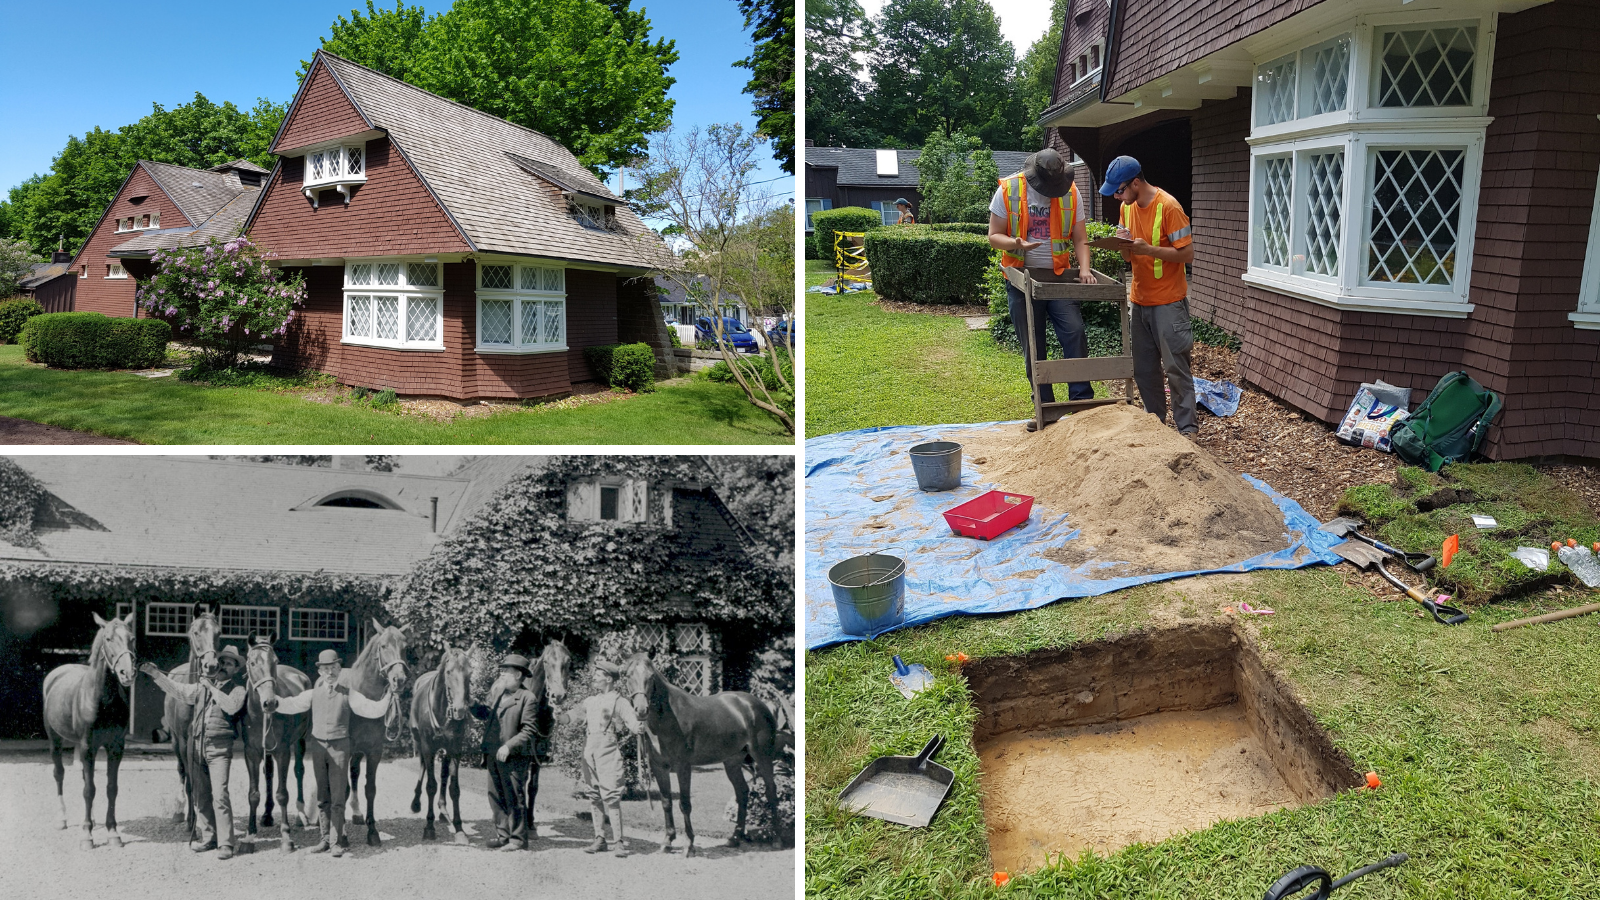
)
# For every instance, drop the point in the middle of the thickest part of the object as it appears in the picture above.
(39, 273)
(225, 224)
(198, 193)
(502, 183)
(859, 167)
(243, 165)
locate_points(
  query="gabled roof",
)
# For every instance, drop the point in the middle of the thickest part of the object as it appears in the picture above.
(859, 167)
(198, 193)
(243, 165)
(503, 184)
(39, 273)
(223, 225)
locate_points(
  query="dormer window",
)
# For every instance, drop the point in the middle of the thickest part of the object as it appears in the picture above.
(616, 500)
(592, 213)
(139, 223)
(338, 167)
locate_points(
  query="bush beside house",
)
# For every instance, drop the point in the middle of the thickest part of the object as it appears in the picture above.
(915, 264)
(91, 340)
(853, 219)
(13, 314)
(628, 366)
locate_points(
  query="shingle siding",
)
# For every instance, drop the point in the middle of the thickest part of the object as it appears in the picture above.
(323, 113)
(114, 297)
(1158, 36)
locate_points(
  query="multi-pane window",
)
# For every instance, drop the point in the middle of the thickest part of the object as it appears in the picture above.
(394, 303)
(1371, 204)
(608, 500)
(331, 165)
(816, 205)
(167, 619)
(521, 308)
(318, 625)
(115, 270)
(243, 621)
(1422, 66)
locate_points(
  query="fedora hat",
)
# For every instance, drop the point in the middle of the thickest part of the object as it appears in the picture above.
(230, 652)
(1047, 173)
(328, 657)
(516, 661)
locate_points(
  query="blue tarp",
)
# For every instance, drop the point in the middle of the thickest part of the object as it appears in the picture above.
(1220, 397)
(862, 497)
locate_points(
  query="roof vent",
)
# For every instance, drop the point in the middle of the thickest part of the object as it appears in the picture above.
(194, 184)
(888, 162)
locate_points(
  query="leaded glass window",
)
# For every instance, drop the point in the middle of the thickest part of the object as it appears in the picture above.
(1416, 212)
(1324, 211)
(388, 318)
(422, 319)
(422, 274)
(1425, 66)
(359, 321)
(494, 322)
(1272, 231)
(1275, 87)
(1325, 77)
(496, 277)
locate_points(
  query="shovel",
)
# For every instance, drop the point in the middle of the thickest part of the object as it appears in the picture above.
(911, 680)
(1344, 526)
(906, 790)
(1290, 885)
(1366, 557)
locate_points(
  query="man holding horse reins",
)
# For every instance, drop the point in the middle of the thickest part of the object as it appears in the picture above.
(218, 710)
(331, 700)
(508, 751)
(605, 716)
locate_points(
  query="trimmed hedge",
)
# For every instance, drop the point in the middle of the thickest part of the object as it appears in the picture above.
(963, 228)
(91, 340)
(845, 218)
(13, 314)
(629, 366)
(916, 264)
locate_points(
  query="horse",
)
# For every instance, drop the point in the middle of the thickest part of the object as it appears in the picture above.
(687, 731)
(439, 702)
(548, 682)
(273, 736)
(86, 706)
(380, 666)
(177, 717)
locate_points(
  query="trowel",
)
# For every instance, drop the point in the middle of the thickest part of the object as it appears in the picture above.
(910, 680)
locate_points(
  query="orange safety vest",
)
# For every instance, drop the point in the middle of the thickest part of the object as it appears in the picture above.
(1155, 232)
(1062, 220)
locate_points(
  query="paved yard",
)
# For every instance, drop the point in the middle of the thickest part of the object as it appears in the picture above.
(45, 862)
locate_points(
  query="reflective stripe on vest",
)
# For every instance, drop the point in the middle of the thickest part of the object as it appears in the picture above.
(1063, 219)
(1155, 233)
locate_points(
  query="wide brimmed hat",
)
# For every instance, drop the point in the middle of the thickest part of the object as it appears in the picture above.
(229, 651)
(1048, 173)
(609, 667)
(516, 661)
(328, 656)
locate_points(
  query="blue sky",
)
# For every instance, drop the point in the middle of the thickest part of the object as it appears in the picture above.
(101, 63)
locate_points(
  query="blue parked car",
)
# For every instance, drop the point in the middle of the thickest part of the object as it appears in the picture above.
(780, 334)
(736, 335)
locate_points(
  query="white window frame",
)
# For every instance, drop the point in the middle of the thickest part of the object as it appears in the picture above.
(336, 174)
(520, 299)
(407, 294)
(887, 211)
(83, 271)
(1361, 130)
(633, 500)
(182, 612)
(1090, 54)
(115, 272)
(823, 204)
(252, 614)
(1588, 312)
(297, 630)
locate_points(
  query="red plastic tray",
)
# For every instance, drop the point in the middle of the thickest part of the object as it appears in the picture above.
(989, 515)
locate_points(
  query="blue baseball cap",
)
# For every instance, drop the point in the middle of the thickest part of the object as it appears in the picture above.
(1122, 170)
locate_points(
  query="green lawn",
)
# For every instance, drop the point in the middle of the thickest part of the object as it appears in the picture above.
(167, 411)
(866, 366)
(1487, 745)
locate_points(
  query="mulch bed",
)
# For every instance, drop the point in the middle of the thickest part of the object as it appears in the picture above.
(933, 309)
(23, 431)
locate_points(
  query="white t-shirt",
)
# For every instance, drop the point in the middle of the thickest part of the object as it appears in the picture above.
(1038, 227)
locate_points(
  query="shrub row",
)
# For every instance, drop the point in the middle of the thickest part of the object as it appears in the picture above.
(916, 264)
(628, 366)
(963, 228)
(13, 313)
(91, 340)
(852, 219)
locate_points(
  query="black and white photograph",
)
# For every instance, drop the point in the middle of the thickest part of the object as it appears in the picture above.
(386, 675)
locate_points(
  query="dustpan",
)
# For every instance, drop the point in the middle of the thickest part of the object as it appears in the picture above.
(906, 790)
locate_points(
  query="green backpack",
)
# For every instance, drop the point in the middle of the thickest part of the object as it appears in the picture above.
(1449, 426)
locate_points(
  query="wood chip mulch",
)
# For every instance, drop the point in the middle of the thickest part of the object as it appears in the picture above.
(933, 309)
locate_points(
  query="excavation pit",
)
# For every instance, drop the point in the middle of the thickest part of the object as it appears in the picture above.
(1139, 738)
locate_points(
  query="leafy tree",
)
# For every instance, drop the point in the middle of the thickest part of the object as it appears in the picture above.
(223, 296)
(771, 65)
(700, 183)
(1037, 75)
(943, 65)
(383, 39)
(85, 175)
(16, 259)
(837, 32)
(957, 176)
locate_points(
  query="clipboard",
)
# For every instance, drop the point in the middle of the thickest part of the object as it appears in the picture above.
(1111, 242)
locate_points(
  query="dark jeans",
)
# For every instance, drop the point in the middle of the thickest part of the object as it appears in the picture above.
(508, 797)
(1067, 320)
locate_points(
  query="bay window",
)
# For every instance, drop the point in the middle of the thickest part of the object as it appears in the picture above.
(1366, 151)
(338, 167)
(398, 304)
(521, 308)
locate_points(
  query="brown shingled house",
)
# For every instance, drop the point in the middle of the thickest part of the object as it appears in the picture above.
(158, 205)
(1378, 189)
(446, 252)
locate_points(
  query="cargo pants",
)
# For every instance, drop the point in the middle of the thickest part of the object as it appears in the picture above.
(1162, 338)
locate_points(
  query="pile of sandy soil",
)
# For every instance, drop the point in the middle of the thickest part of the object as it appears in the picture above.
(1140, 492)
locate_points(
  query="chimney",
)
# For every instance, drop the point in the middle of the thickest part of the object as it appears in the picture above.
(810, 142)
(60, 256)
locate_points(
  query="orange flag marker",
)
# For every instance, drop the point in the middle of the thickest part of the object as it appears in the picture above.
(1452, 546)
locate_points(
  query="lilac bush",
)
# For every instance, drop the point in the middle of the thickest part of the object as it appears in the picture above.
(223, 297)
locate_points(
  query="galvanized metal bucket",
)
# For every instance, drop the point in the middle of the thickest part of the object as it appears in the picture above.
(870, 593)
(937, 464)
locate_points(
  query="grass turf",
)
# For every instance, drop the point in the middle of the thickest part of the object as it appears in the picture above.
(1487, 746)
(866, 366)
(169, 411)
